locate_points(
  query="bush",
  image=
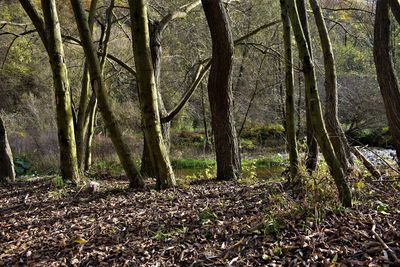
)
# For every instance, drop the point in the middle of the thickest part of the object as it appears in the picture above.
(373, 137)
(263, 132)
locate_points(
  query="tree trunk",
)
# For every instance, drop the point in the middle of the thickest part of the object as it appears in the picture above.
(312, 146)
(7, 173)
(336, 133)
(220, 91)
(314, 107)
(148, 95)
(387, 79)
(156, 50)
(66, 134)
(92, 113)
(82, 120)
(395, 7)
(289, 101)
(100, 90)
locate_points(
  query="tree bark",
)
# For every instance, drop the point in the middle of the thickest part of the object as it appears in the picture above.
(314, 107)
(387, 79)
(312, 146)
(7, 173)
(220, 91)
(66, 134)
(82, 120)
(289, 100)
(148, 95)
(335, 131)
(100, 90)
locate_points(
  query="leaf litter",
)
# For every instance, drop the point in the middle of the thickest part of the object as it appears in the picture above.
(205, 224)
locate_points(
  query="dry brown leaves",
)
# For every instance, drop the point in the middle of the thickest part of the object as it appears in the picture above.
(207, 224)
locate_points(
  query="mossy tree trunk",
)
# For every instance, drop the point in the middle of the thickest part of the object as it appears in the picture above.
(148, 95)
(220, 91)
(7, 173)
(66, 131)
(100, 90)
(312, 146)
(156, 51)
(83, 117)
(314, 107)
(387, 79)
(49, 33)
(289, 100)
(336, 133)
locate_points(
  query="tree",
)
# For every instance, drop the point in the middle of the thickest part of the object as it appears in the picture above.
(220, 91)
(50, 34)
(85, 111)
(148, 95)
(289, 82)
(387, 79)
(100, 90)
(335, 131)
(314, 106)
(7, 172)
(156, 29)
(312, 146)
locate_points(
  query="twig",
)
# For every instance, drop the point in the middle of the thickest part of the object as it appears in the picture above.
(392, 253)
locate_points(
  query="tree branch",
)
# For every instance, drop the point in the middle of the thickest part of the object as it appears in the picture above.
(395, 7)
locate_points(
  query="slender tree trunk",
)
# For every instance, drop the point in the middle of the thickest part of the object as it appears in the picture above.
(92, 113)
(289, 101)
(100, 90)
(314, 107)
(336, 133)
(66, 134)
(82, 120)
(387, 79)
(148, 95)
(207, 143)
(312, 146)
(7, 173)
(220, 91)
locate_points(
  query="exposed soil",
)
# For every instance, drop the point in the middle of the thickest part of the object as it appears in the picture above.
(208, 223)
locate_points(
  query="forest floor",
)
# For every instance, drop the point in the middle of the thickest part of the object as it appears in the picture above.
(205, 223)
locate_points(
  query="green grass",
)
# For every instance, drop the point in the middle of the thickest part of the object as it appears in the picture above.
(272, 161)
(192, 163)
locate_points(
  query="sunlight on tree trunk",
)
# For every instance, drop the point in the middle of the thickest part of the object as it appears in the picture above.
(336, 133)
(148, 95)
(100, 90)
(66, 134)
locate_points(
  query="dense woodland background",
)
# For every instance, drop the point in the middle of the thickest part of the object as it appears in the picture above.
(27, 93)
(177, 133)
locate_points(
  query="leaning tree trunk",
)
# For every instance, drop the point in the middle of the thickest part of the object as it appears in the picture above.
(387, 79)
(314, 106)
(312, 146)
(100, 90)
(290, 109)
(148, 95)
(220, 91)
(66, 134)
(336, 133)
(83, 118)
(7, 173)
